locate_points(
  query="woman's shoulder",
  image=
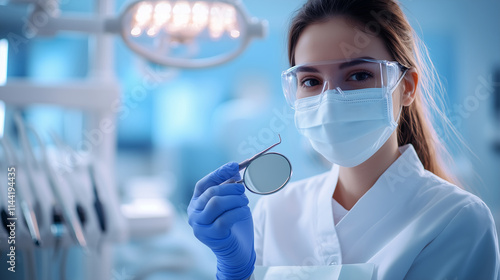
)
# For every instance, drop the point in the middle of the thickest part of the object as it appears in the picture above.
(454, 225)
(438, 194)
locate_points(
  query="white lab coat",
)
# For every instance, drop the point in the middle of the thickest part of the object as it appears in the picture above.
(411, 224)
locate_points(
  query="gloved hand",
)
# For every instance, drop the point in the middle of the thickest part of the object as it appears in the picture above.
(221, 219)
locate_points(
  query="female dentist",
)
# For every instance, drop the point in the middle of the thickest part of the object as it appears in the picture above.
(362, 96)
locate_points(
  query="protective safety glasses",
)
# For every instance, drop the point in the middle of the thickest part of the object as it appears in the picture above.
(313, 79)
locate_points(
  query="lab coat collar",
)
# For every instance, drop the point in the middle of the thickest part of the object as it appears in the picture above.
(366, 212)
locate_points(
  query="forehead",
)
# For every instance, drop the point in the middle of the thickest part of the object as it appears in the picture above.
(338, 38)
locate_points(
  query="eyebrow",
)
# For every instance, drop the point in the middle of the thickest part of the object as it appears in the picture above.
(356, 61)
(353, 62)
(307, 69)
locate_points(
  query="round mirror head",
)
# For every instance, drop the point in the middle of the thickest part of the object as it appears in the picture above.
(267, 174)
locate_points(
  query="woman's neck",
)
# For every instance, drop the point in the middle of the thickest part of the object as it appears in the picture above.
(354, 182)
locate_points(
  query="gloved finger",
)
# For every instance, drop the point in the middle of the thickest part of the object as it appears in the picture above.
(198, 204)
(219, 190)
(233, 179)
(221, 227)
(218, 176)
(216, 207)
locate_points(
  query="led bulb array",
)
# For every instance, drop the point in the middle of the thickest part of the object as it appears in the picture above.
(184, 19)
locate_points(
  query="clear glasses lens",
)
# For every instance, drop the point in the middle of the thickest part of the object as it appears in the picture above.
(313, 79)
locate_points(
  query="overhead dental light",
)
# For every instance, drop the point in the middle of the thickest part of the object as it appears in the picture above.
(189, 34)
(178, 33)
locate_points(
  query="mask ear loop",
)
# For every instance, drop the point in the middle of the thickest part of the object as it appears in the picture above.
(401, 96)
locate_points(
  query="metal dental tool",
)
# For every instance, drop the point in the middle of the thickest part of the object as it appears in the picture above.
(27, 210)
(80, 210)
(265, 173)
(89, 169)
(69, 217)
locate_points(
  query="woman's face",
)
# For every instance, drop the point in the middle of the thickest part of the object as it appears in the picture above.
(340, 38)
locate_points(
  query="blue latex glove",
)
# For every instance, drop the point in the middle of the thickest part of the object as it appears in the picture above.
(221, 219)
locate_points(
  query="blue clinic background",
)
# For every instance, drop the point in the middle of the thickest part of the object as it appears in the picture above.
(178, 125)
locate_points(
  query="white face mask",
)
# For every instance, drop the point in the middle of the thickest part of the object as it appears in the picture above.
(346, 127)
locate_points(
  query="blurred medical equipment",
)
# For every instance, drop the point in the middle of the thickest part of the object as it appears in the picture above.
(265, 173)
(84, 171)
(78, 201)
(178, 33)
(69, 216)
(32, 212)
(56, 192)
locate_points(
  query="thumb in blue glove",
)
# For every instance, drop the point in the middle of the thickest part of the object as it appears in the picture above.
(221, 219)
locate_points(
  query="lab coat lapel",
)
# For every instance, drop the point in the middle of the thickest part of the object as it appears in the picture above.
(366, 226)
(327, 241)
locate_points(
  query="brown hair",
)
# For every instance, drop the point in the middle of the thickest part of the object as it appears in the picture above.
(385, 19)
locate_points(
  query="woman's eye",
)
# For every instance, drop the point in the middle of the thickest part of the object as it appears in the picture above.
(310, 82)
(360, 76)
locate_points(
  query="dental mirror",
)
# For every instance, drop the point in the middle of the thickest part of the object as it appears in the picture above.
(265, 173)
